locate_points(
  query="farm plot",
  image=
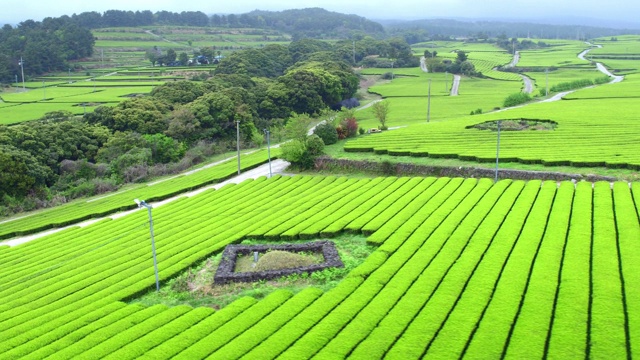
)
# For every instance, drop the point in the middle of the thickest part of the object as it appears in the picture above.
(408, 98)
(464, 268)
(559, 54)
(600, 132)
(77, 97)
(555, 78)
(31, 111)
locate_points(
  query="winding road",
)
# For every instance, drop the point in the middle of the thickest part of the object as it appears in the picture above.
(600, 66)
(528, 83)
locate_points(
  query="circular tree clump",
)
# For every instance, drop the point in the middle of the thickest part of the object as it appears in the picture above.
(327, 133)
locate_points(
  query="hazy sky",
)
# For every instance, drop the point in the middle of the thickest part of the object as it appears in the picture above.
(625, 10)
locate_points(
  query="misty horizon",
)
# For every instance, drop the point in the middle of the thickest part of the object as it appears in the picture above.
(562, 12)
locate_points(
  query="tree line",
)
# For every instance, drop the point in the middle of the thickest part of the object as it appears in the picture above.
(313, 22)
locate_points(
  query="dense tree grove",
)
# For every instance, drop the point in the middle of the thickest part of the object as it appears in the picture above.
(118, 18)
(43, 46)
(512, 45)
(311, 22)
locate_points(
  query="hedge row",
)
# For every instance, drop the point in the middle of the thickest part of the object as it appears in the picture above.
(569, 330)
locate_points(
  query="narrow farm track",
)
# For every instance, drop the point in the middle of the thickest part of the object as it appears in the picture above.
(528, 84)
(455, 86)
(465, 268)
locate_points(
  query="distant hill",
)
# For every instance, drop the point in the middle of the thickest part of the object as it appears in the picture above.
(314, 22)
(464, 28)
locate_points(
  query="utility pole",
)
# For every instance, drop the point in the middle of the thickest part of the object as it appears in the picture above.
(498, 151)
(142, 203)
(21, 63)
(391, 70)
(266, 131)
(429, 102)
(44, 92)
(238, 142)
(546, 75)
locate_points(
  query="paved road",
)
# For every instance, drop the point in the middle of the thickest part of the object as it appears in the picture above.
(456, 85)
(423, 64)
(514, 62)
(528, 84)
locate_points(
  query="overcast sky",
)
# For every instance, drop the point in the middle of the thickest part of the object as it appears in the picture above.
(626, 11)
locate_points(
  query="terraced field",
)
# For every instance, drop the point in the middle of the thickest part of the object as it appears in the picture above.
(600, 132)
(78, 97)
(407, 94)
(464, 268)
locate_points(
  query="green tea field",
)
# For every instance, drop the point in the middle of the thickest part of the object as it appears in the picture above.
(464, 268)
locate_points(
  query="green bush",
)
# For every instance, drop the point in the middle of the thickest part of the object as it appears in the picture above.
(327, 133)
(315, 145)
(516, 99)
(293, 151)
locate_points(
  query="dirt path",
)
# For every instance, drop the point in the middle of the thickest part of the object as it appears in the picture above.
(456, 78)
(603, 69)
(528, 84)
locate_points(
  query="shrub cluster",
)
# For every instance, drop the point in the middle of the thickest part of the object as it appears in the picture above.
(327, 133)
(516, 99)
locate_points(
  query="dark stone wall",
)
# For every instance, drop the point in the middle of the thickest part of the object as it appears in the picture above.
(406, 169)
(225, 273)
